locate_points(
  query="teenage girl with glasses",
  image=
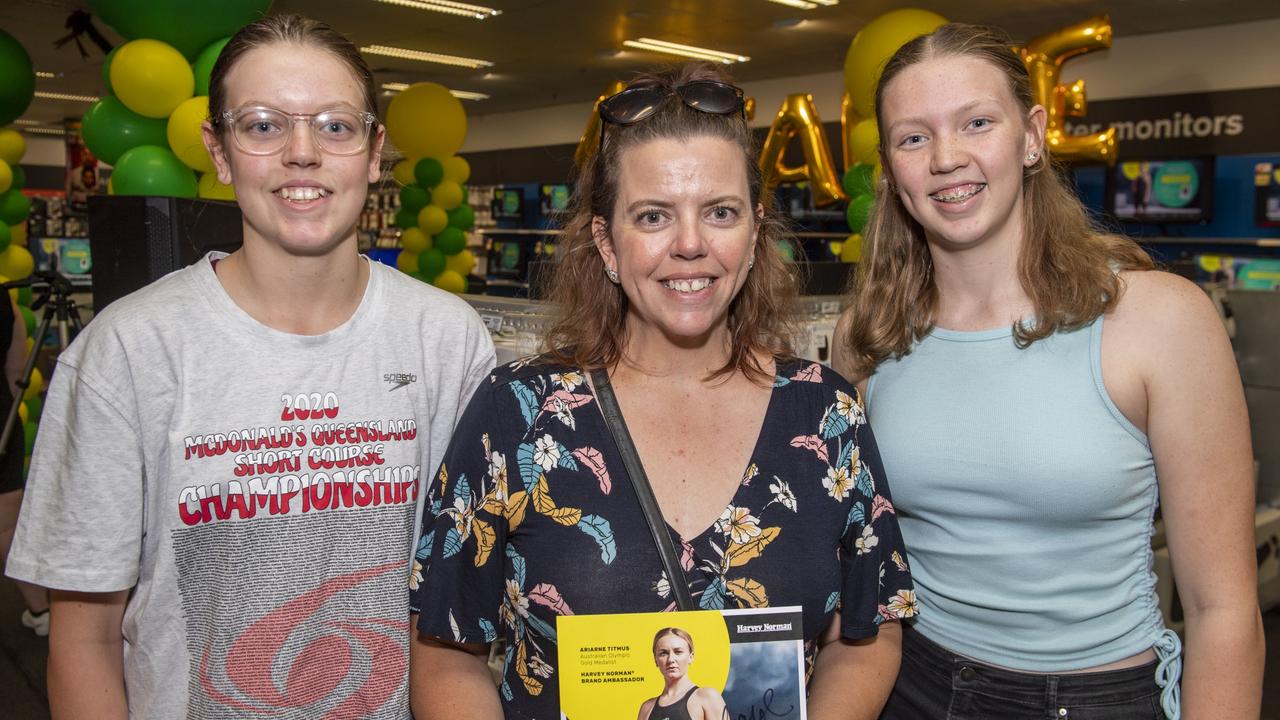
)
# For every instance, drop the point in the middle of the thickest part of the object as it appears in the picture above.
(224, 491)
(1036, 387)
(670, 290)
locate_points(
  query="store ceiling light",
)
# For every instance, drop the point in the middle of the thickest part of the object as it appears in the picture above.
(24, 121)
(45, 75)
(460, 94)
(806, 4)
(421, 56)
(65, 96)
(44, 131)
(685, 50)
(479, 12)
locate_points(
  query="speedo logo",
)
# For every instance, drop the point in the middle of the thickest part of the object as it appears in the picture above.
(399, 380)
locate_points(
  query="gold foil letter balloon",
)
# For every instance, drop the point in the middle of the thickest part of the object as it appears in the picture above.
(798, 117)
(1044, 57)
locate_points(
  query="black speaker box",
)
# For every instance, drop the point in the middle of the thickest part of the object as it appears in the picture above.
(135, 240)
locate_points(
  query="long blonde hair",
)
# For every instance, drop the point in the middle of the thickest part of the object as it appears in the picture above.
(590, 327)
(1067, 266)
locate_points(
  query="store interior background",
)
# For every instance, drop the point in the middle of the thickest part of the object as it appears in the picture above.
(552, 58)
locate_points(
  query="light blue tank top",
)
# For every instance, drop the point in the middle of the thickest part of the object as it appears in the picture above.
(1025, 499)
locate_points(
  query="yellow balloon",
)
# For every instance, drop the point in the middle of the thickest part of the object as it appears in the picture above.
(448, 194)
(865, 139)
(798, 118)
(184, 133)
(414, 240)
(403, 172)
(450, 281)
(407, 262)
(151, 78)
(12, 146)
(111, 190)
(31, 342)
(426, 121)
(23, 412)
(16, 262)
(852, 250)
(462, 263)
(210, 189)
(432, 219)
(1044, 56)
(18, 234)
(872, 47)
(6, 176)
(37, 384)
(456, 169)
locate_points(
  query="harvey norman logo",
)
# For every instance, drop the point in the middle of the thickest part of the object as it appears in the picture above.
(399, 380)
(763, 627)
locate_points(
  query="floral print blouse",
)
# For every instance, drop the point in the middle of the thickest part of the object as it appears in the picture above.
(532, 516)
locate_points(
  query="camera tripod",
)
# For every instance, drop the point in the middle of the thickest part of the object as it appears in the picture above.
(58, 307)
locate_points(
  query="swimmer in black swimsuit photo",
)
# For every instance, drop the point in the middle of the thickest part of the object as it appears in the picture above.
(680, 699)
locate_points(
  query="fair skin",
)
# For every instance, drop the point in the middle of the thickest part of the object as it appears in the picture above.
(673, 656)
(298, 272)
(681, 238)
(1166, 361)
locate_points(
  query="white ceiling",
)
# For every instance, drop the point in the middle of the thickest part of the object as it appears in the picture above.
(551, 52)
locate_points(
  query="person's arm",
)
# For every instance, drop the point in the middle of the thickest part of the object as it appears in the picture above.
(450, 680)
(1198, 427)
(646, 708)
(852, 678)
(711, 703)
(15, 357)
(86, 653)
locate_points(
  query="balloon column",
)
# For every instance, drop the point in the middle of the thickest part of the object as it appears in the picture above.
(148, 123)
(871, 48)
(428, 125)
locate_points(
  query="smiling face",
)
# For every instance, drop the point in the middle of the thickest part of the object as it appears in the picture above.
(672, 656)
(681, 236)
(957, 143)
(301, 200)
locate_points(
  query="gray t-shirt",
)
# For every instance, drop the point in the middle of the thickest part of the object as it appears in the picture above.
(257, 490)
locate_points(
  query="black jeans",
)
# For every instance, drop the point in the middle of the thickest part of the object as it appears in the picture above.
(937, 684)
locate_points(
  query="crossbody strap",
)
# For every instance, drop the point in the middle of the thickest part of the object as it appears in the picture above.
(640, 483)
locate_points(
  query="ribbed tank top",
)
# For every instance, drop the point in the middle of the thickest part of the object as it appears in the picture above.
(1025, 498)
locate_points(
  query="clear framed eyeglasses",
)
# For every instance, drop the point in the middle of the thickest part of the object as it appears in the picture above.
(265, 131)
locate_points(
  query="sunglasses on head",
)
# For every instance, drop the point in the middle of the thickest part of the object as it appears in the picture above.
(635, 104)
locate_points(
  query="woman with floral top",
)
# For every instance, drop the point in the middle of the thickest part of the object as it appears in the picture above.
(763, 465)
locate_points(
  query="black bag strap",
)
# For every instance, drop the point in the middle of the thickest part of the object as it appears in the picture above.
(640, 482)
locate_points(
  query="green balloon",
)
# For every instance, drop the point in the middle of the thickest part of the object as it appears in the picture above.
(203, 66)
(34, 406)
(14, 207)
(405, 218)
(188, 26)
(462, 217)
(19, 177)
(6, 237)
(106, 70)
(25, 296)
(29, 318)
(451, 241)
(430, 263)
(858, 212)
(429, 172)
(29, 435)
(859, 180)
(17, 79)
(153, 170)
(110, 130)
(413, 198)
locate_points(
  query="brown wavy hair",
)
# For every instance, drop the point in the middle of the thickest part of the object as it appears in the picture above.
(590, 326)
(1067, 266)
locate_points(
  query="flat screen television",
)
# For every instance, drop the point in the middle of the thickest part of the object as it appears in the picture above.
(553, 199)
(1266, 197)
(507, 204)
(508, 257)
(1161, 191)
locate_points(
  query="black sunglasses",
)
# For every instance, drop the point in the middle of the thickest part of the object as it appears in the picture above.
(635, 104)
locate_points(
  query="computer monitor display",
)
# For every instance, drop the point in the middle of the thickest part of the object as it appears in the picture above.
(1266, 183)
(508, 204)
(508, 258)
(554, 199)
(1162, 190)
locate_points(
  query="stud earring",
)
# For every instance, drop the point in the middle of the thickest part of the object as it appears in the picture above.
(613, 275)
(751, 264)
(1031, 157)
